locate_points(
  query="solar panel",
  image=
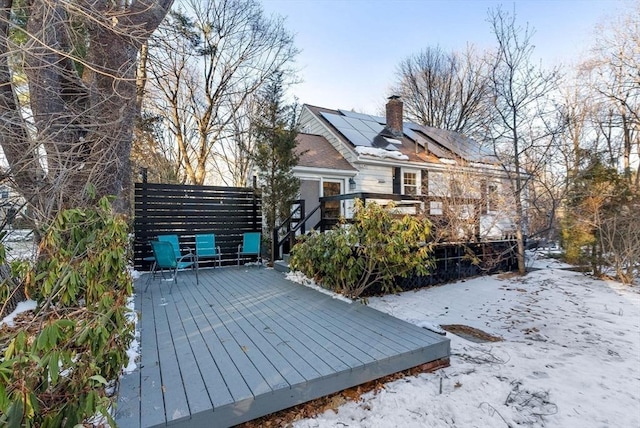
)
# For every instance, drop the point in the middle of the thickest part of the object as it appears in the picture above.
(354, 115)
(335, 120)
(457, 143)
(375, 126)
(355, 137)
(432, 147)
(363, 116)
(362, 129)
(437, 150)
(453, 142)
(358, 124)
(370, 134)
(412, 135)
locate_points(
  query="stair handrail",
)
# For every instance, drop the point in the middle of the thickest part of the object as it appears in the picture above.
(291, 231)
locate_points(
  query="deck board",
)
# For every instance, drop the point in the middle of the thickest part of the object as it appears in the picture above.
(232, 380)
(246, 342)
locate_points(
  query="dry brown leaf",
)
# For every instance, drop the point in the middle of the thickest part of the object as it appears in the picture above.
(286, 417)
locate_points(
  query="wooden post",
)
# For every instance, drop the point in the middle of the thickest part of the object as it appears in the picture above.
(275, 248)
(322, 215)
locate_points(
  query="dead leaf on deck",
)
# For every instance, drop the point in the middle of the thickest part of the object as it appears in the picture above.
(244, 348)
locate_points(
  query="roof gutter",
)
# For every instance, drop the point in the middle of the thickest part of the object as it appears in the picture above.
(324, 171)
(494, 170)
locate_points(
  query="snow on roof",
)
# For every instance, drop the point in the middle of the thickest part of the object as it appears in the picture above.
(448, 161)
(381, 153)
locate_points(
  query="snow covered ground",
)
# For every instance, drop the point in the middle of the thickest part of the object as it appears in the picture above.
(570, 356)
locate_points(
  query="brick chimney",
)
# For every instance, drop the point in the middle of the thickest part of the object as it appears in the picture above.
(394, 115)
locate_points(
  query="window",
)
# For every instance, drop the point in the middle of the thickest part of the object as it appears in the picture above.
(435, 207)
(456, 188)
(331, 208)
(492, 197)
(410, 183)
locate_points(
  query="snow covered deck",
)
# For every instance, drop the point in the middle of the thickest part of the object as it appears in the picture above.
(247, 342)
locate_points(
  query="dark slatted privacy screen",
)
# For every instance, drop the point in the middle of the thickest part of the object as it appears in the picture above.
(187, 210)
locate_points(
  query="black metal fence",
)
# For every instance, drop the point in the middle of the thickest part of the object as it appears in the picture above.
(187, 210)
(456, 261)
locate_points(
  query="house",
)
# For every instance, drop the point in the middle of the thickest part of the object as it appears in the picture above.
(11, 205)
(443, 174)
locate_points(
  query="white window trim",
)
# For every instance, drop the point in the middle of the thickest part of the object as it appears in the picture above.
(417, 174)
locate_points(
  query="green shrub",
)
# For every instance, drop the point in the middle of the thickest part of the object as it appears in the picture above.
(375, 248)
(55, 366)
(577, 239)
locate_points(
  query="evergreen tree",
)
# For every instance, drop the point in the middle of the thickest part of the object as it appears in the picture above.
(276, 129)
(600, 226)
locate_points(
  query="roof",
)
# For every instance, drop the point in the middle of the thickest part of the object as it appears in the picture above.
(316, 152)
(363, 133)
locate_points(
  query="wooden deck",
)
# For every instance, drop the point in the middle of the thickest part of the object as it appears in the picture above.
(247, 342)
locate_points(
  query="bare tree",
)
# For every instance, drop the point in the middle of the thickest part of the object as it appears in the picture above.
(599, 225)
(68, 96)
(206, 62)
(232, 160)
(465, 205)
(612, 74)
(520, 129)
(445, 90)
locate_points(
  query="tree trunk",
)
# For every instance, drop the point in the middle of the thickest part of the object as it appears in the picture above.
(82, 94)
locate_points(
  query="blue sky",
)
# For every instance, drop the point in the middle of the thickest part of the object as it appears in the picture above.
(350, 48)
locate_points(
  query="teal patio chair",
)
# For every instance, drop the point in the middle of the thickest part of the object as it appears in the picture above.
(165, 259)
(173, 240)
(250, 246)
(206, 248)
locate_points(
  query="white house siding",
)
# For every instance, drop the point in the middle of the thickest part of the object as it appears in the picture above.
(374, 178)
(493, 226)
(499, 222)
(438, 184)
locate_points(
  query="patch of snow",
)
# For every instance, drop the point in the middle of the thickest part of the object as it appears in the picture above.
(27, 305)
(381, 153)
(300, 278)
(448, 161)
(19, 245)
(427, 325)
(485, 166)
(393, 140)
(570, 356)
(135, 274)
(134, 347)
(16, 235)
